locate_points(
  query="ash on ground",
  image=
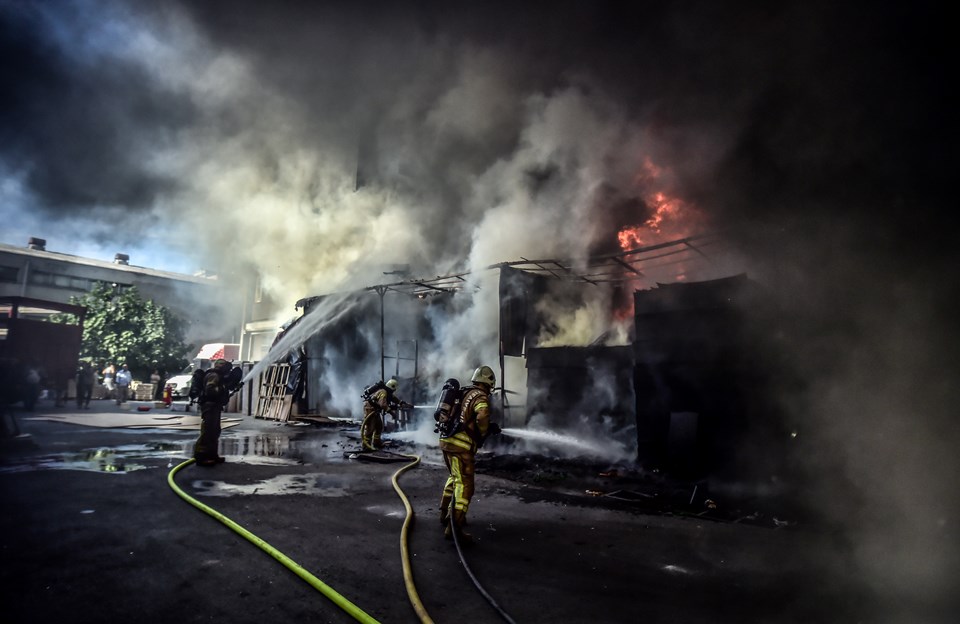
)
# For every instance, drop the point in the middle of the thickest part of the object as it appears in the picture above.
(624, 486)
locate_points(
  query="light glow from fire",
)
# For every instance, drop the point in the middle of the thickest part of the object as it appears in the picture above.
(669, 213)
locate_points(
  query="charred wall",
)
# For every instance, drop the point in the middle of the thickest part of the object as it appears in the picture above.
(705, 365)
(519, 324)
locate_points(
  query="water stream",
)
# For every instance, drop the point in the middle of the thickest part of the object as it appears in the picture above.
(566, 443)
(329, 310)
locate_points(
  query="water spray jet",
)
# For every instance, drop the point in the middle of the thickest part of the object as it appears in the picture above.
(568, 443)
(329, 310)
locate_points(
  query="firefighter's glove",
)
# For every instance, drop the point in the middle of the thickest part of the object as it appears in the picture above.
(494, 429)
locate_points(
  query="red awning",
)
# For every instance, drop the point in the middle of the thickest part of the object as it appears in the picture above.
(210, 352)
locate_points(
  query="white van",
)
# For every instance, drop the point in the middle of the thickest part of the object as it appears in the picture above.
(208, 354)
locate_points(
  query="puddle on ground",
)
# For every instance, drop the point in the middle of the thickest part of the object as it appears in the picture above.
(120, 460)
(258, 448)
(312, 484)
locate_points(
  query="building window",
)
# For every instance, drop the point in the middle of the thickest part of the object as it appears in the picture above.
(258, 291)
(9, 274)
(61, 280)
(40, 279)
(80, 283)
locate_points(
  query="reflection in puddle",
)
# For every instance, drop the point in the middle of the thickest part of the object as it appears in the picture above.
(312, 484)
(259, 449)
(120, 460)
(273, 448)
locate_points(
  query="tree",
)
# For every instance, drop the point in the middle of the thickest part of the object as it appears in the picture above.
(124, 327)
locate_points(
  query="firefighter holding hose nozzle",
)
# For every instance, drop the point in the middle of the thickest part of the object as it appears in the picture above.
(219, 383)
(460, 450)
(377, 402)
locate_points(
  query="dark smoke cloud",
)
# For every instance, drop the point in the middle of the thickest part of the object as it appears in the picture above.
(817, 97)
(764, 112)
(80, 131)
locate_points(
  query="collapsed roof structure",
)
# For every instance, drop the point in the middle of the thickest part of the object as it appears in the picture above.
(632, 265)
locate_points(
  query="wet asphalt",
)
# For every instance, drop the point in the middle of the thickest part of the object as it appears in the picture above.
(92, 532)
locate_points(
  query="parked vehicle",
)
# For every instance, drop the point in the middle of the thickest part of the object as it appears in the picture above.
(208, 354)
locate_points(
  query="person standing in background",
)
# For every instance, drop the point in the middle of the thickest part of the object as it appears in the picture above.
(155, 379)
(31, 386)
(123, 379)
(84, 385)
(109, 374)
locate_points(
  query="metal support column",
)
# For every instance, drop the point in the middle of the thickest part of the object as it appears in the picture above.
(381, 290)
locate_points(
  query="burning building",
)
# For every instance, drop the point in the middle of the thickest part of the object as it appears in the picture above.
(676, 371)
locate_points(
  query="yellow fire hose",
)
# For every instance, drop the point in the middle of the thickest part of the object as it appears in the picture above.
(404, 552)
(350, 608)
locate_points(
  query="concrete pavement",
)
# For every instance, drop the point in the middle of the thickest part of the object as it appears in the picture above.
(91, 532)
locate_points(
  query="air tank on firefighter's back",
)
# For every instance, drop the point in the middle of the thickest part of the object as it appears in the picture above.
(449, 397)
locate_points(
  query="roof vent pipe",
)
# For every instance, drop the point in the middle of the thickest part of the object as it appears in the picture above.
(39, 244)
(121, 258)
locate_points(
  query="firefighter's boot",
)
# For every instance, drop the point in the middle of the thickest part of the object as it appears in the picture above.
(445, 509)
(459, 521)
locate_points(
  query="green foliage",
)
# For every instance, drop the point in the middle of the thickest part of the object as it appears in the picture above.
(123, 327)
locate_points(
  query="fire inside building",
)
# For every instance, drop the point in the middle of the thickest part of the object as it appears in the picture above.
(680, 371)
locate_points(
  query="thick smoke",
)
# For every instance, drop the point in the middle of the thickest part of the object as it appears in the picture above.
(311, 144)
(245, 139)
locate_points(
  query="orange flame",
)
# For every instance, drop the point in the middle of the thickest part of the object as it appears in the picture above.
(667, 211)
(630, 238)
(623, 312)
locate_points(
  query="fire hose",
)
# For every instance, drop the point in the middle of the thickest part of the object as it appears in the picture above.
(404, 551)
(347, 606)
(473, 579)
(351, 609)
(297, 569)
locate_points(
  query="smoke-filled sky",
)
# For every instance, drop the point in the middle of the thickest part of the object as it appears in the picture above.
(205, 134)
(231, 135)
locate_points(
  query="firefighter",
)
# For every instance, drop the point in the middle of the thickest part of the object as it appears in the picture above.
(460, 450)
(382, 401)
(213, 398)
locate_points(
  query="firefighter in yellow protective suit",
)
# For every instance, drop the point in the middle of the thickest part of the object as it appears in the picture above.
(383, 401)
(460, 450)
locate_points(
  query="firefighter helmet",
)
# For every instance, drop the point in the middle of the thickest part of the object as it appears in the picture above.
(222, 365)
(392, 384)
(484, 374)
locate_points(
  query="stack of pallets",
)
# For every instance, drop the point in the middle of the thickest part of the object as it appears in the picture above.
(143, 391)
(274, 402)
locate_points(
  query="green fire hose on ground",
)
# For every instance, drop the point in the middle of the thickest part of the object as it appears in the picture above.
(353, 610)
